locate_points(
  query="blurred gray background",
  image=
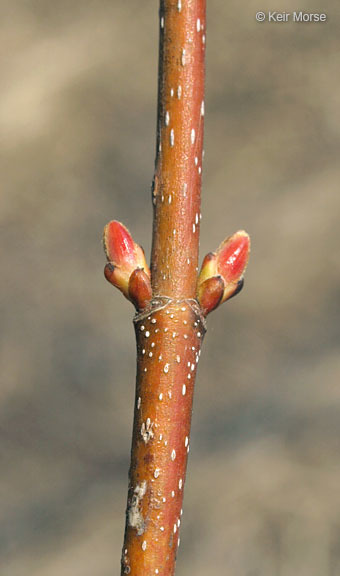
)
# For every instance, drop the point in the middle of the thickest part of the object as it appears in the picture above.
(77, 140)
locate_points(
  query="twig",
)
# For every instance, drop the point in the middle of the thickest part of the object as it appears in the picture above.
(171, 301)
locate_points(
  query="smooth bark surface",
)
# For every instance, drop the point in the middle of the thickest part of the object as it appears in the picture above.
(169, 331)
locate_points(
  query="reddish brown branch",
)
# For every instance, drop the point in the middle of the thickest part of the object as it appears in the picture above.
(169, 337)
(178, 174)
(170, 333)
(170, 322)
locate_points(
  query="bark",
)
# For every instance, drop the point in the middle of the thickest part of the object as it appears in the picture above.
(169, 332)
(172, 300)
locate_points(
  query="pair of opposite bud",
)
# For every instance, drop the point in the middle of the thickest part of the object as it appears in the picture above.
(220, 278)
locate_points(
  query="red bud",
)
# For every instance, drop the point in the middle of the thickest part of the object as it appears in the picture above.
(232, 256)
(118, 244)
(140, 292)
(228, 264)
(124, 257)
(209, 294)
